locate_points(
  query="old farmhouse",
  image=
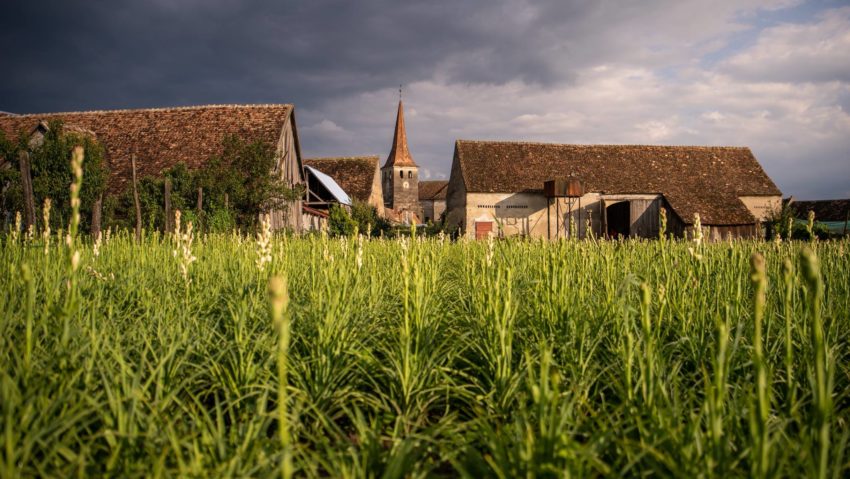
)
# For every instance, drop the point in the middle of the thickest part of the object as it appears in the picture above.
(160, 138)
(497, 188)
(358, 176)
(432, 199)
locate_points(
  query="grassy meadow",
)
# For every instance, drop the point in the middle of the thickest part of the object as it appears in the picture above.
(414, 358)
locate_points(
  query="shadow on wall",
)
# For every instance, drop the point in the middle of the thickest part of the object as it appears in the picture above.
(518, 214)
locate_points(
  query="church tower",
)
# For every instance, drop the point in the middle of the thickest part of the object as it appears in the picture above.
(400, 174)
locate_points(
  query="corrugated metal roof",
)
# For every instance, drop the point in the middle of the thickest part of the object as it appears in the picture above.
(331, 185)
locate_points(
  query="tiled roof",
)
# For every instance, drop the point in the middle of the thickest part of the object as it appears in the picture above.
(433, 190)
(693, 179)
(162, 137)
(825, 210)
(399, 154)
(354, 174)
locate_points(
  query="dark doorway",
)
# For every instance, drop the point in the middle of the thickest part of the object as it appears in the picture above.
(619, 220)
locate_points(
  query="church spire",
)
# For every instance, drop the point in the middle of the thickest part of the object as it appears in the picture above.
(400, 155)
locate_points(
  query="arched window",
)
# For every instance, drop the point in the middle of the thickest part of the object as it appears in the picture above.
(401, 173)
(410, 174)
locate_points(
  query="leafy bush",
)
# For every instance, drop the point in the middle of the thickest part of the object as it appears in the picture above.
(242, 173)
(340, 222)
(220, 220)
(51, 173)
(367, 219)
(779, 221)
(237, 185)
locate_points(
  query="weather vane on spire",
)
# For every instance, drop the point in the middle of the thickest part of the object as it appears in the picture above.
(399, 92)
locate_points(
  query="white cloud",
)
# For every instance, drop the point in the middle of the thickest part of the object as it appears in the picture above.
(327, 127)
(795, 125)
(817, 51)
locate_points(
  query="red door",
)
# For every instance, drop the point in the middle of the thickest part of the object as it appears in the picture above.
(483, 229)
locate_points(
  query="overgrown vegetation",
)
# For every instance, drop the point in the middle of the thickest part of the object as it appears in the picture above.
(785, 224)
(51, 174)
(236, 186)
(410, 358)
(363, 219)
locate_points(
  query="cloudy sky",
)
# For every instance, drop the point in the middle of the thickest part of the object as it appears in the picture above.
(771, 75)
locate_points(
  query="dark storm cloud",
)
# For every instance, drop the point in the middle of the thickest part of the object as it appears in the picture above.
(62, 55)
(544, 70)
(68, 55)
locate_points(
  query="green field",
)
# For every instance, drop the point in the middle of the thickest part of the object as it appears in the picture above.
(422, 358)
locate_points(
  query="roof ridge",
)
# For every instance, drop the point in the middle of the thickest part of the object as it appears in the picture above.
(361, 157)
(593, 145)
(158, 109)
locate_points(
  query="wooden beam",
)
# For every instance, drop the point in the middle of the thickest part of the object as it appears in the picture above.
(136, 201)
(96, 214)
(26, 183)
(169, 219)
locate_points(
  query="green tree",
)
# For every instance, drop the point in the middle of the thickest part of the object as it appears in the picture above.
(244, 173)
(367, 219)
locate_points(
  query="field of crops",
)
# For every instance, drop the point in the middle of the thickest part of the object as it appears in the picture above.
(422, 358)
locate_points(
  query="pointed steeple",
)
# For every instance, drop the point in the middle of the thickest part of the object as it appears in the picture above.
(399, 155)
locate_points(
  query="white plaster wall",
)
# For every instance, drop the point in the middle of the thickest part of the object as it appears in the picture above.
(762, 207)
(526, 214)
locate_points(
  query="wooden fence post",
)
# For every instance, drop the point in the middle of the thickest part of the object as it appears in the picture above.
(200, 200)
(26, 183)
(136, 201)
(169, 222)
(96, 215)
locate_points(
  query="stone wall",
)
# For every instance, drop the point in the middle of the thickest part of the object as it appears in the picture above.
(432, 209)
(455, 197)
(376, 197)
(400, 186)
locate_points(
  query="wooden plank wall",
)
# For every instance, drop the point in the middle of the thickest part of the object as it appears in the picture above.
(644, 217)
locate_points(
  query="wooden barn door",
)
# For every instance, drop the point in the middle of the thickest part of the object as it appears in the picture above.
(483, 229)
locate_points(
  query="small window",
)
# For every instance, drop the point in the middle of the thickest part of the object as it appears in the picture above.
(401, 174)
(410, 174)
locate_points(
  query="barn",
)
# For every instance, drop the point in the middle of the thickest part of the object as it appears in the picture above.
(160, 138)
(358, 176)
(496, 188)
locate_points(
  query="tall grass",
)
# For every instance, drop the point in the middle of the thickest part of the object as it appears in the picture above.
(422, 357)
